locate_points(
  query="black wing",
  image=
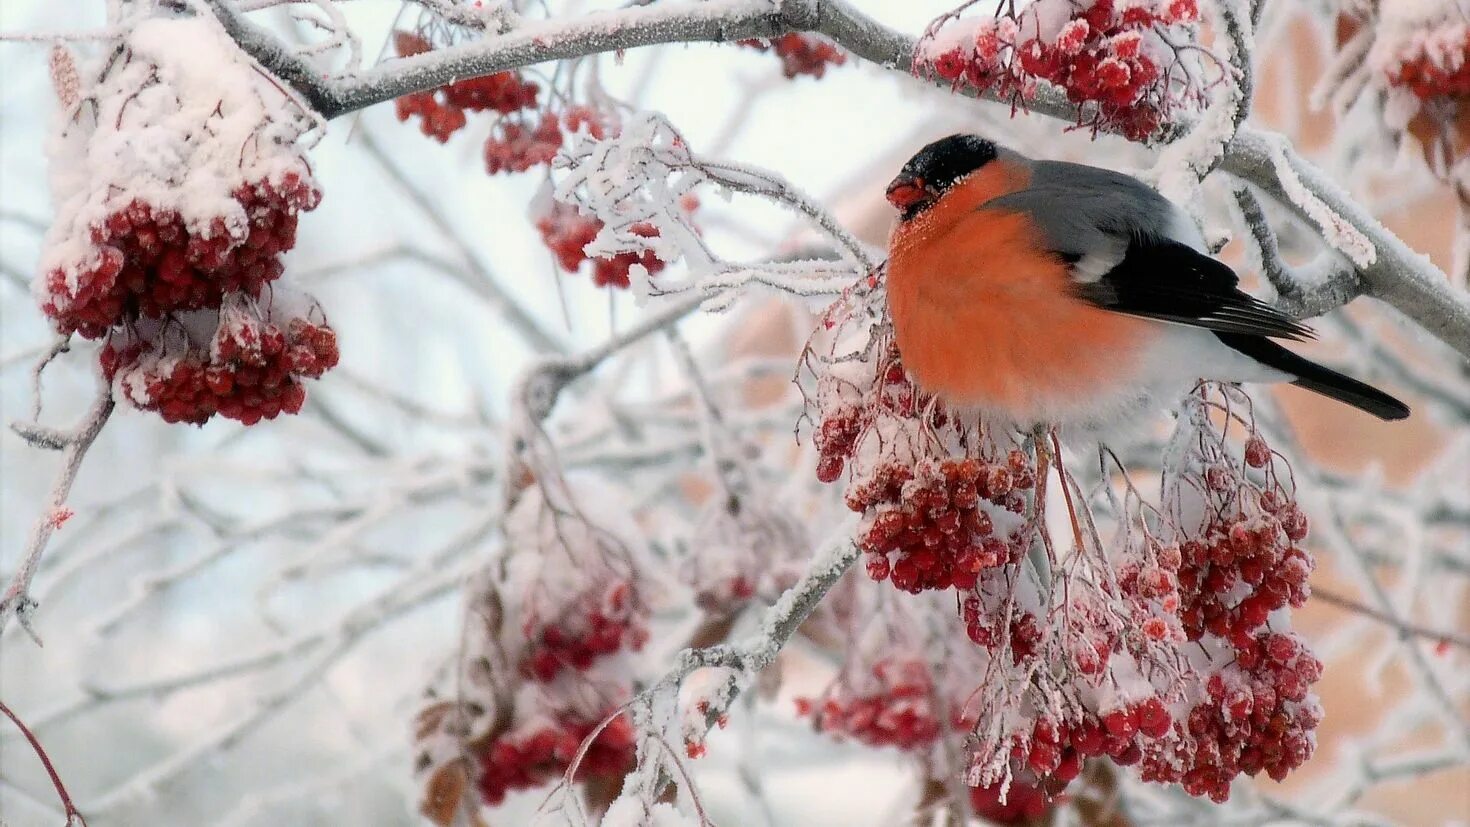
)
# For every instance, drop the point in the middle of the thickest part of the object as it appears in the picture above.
(1163, 279)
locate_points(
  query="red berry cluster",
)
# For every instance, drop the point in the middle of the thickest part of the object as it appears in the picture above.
(1100, 56)
(894, 709)
(1024, 802)
(927, 523)
(802, 54)
(930, 527)
(726, 595)
(1052, 753)
(516, 146)
(1253, 719)
(525, 760)
(519, 140)
(1242, 570)
(441, 111)
(252, 370)
(566, 231)
(147, 261)
(741, 549)
(598, 623)
(1429, 76)
(983, 626)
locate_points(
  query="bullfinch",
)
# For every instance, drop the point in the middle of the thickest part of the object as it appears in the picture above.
(1051, 292)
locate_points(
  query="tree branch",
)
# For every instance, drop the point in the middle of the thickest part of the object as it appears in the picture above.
(72, 815)
(1404, 628)
(17, 600)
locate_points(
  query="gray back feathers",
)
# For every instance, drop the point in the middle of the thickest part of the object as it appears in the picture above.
(1086, 212)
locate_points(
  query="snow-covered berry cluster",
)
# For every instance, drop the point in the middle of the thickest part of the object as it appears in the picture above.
(939, 504)
(567, 231)
(602, 621)
(441, 112)
(1021, 802)
(250, 368)
(1108, 53)
(895, 706)
(147, 261)
(1242, 569)
(1252, 719)
(742, 552)
(1210, 595)
(1415, 77)
(517, 146)
(547, 657)
(1432, 60)
(536, 756)
(801, 53)
(168, 253)
(1089, 647)
(525, 134)
(575, 597)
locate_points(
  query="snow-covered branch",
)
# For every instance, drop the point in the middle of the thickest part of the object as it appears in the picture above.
(17, 601)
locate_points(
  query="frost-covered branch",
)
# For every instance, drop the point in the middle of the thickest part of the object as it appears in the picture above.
(531, 43)
(743, 659)
(541, 385)
(1297, 294)
(16, 600)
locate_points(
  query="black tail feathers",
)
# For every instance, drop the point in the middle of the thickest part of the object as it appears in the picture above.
(1316, 378)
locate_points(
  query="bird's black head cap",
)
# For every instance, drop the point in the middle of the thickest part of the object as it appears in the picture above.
(936, 168)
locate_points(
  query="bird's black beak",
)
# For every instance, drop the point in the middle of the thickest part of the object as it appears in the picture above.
(909, 194)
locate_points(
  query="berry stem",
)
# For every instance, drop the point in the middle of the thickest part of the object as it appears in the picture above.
(72, 814)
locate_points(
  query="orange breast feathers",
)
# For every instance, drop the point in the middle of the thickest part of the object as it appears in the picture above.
(984, 316)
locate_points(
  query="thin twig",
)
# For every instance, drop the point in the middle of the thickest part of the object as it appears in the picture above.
(1404, 627)
(72, 814)
(17, 600)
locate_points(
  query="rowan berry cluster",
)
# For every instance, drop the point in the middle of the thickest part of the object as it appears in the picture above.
(441, 112)
(251, 370)
(1143, 626)
(541, 755)
(1251, 719)
(517, 146)
(1021, 803)
(168, 253)
(754, 549)
(566, 231)
(1051, 752)
(600, 621)
(1243, 569)
(545, 665)
(573, 602)
(1434, 64)
(1107, 53)
(147, 261)
(801, 54)
(525, 133)
(929, 521)
(895, 707)
(983, 624)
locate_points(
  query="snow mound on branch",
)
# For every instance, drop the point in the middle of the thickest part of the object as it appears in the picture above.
(176, 117)
(627, 812)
